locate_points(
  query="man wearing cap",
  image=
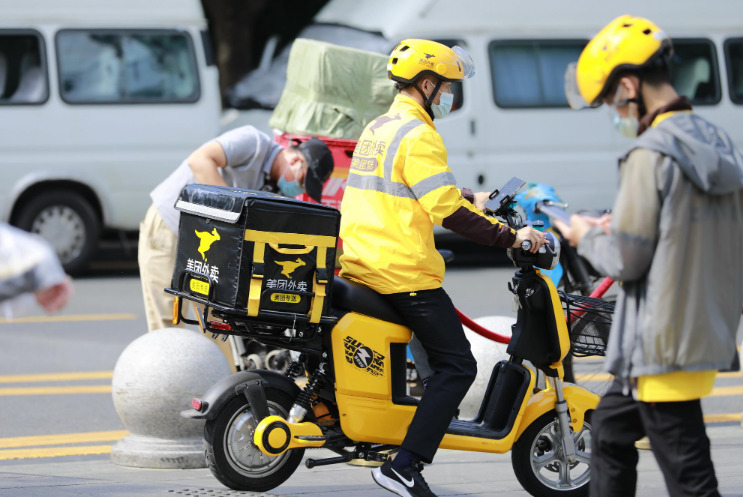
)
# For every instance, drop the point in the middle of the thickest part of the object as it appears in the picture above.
(241, 158)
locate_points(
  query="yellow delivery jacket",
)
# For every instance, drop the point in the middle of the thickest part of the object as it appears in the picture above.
(399, 186)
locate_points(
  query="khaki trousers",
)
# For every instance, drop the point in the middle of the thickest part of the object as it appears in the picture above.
(156, 258)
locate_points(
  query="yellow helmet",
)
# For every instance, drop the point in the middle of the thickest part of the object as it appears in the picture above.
(413, 58)
(626, 43)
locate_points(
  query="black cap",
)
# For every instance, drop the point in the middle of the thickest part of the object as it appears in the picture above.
(320, 166)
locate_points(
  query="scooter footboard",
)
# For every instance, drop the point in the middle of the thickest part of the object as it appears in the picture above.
(579, 402)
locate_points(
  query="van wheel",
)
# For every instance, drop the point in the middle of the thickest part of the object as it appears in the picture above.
(68, 222)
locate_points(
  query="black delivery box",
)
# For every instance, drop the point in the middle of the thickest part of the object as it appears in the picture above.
(263, 254)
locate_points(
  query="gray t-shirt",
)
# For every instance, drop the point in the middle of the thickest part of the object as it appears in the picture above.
(250, 154)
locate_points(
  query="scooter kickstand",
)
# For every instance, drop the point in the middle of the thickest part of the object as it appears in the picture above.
(311, 463)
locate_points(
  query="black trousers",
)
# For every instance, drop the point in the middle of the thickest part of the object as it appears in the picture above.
(433, 319)
(677, 437)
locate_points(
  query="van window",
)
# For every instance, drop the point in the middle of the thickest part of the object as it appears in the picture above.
(694, 71)
(531, 73)
(105, 66)
(23, 78)
(734, 58)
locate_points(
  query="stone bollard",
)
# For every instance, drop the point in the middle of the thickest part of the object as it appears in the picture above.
(487, 353)
(155, 379)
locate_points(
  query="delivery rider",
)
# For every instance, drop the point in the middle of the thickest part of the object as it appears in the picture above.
(399, 186)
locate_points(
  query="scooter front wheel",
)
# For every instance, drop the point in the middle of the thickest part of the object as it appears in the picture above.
(231, 454)
(540, 463)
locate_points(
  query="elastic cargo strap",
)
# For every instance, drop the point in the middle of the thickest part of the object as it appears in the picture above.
(319, 286)
(256, 279)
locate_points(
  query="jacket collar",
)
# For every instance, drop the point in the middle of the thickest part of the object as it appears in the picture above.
(408, 105)
(678, 104)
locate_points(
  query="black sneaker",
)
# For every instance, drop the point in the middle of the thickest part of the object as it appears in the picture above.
(406, 482)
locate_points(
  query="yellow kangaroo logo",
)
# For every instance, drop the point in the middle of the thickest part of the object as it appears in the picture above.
(290, 266)
(206, 241)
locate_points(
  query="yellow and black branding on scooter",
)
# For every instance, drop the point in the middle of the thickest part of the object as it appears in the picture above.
(199, 286)
(363, 357)
(286, 298)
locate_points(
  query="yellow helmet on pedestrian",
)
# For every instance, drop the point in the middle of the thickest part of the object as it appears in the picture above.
(626, 43)
(413, 58)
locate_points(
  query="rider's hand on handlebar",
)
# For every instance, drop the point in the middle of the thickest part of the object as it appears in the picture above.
(480, 199)
(528, 233)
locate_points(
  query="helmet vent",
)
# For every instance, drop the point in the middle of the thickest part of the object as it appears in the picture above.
(627, 25)
(394, 61)
(647, 31)
(403, 48)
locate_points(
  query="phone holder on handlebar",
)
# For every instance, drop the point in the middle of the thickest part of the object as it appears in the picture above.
(500, 204)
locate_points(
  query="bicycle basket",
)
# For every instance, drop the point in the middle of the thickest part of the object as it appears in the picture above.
(589, 321)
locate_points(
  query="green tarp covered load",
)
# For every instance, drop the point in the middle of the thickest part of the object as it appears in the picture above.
(332, 91)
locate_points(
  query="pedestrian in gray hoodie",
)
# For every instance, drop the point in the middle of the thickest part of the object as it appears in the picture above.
(674, 241)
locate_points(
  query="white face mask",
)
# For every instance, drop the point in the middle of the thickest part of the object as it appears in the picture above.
(444, 107)
(627, 126)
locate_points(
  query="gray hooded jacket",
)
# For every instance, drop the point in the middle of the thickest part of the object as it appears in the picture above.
(676, 244)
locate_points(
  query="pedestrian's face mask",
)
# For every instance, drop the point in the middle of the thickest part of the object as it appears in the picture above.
(627, 126)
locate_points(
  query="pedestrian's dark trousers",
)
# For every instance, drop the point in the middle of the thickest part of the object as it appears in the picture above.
(677, 437)
(433, 319)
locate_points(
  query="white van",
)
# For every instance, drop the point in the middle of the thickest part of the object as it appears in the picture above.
(99, 101)
(512, 118)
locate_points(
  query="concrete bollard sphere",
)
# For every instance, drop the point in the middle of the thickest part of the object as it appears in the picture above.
(155, 378)
(487, 353)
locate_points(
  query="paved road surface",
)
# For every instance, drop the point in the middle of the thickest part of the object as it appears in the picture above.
(58, 420)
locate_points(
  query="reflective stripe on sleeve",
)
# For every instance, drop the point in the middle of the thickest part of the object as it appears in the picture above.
(432, 183)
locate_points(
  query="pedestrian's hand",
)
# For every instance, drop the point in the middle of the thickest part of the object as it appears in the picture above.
(604, 221)
(579, 226)
(536, 238)
(55, 297)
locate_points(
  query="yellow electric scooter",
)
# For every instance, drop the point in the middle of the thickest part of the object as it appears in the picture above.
(354, 402)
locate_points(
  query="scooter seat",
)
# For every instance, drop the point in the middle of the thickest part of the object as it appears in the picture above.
(351, 296)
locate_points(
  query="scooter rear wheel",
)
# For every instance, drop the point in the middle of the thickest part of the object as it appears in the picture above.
(540, 464)
(232, 456)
